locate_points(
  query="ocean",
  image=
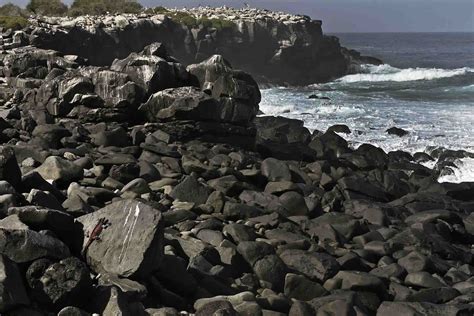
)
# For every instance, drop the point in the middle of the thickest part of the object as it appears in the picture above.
(426, 87)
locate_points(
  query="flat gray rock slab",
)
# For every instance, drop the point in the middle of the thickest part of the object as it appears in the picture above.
(131, 245)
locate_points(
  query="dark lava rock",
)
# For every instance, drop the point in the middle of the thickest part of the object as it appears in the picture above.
(191, 190)
(397, 131)
(66, 282)
(340, 128)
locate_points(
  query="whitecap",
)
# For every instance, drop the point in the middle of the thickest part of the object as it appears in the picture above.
(385, 72)
(464, 172)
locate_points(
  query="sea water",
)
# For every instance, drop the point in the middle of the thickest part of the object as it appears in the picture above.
(426, 87)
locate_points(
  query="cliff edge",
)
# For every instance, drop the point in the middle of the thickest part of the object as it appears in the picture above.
(275, 47)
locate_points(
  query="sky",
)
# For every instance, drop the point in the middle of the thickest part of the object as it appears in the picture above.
(357, 15)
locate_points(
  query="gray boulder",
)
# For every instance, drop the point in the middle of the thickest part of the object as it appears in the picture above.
(151, 72)
(21, 244)
(316, 266)
(131, 245)
(180, 104)
(216, 76)
(275, 170)
(59, 170)
(116, 89)
(190, 190)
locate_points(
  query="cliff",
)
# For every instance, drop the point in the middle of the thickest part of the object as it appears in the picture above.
(275, 47)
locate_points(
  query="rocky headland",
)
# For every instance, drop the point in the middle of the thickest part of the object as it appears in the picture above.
(275, 47)
(147, 187)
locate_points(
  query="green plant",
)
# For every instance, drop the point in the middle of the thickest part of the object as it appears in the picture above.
(157, 10)
(10, 9)
(190, 21)
(13, 22)
(184, 18)
(47, 7)
(218, 24)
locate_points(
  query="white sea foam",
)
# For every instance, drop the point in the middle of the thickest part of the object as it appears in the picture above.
(385, 72)
(464, 172)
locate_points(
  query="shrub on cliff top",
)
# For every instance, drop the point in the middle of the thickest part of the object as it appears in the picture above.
(157, 10)
(47, 7)
(10, 9)
(191, 21)
(13, 22)
(218, 24)
(98, 7)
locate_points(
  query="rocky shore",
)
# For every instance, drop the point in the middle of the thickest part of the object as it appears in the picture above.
(275, 47)
(146, 187)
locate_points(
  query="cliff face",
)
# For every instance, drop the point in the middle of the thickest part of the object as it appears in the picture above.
(274, 47)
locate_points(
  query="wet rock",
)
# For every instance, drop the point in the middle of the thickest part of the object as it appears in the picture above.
(397, 131)
(131, 245)
(344, 129)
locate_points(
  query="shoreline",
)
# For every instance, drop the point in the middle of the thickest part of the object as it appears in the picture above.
(147, 187)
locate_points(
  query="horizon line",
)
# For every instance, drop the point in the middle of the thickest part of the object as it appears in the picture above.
(381, 32)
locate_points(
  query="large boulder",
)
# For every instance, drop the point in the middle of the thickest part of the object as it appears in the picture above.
(33, 62)
(152, 69)
(234, 88)
(60, 170)
(115, 88)
(57, 95)
(190, 103)
(21, 244)
(216, 76)
(316, 266)
(185, 103)
(131, 244)
(190, 190)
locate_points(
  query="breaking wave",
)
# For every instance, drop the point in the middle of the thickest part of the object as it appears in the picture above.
(385, 72)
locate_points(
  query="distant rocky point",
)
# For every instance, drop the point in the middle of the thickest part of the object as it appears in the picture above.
(274, 47)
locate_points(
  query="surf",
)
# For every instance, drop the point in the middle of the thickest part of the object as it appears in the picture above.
(388, 73)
